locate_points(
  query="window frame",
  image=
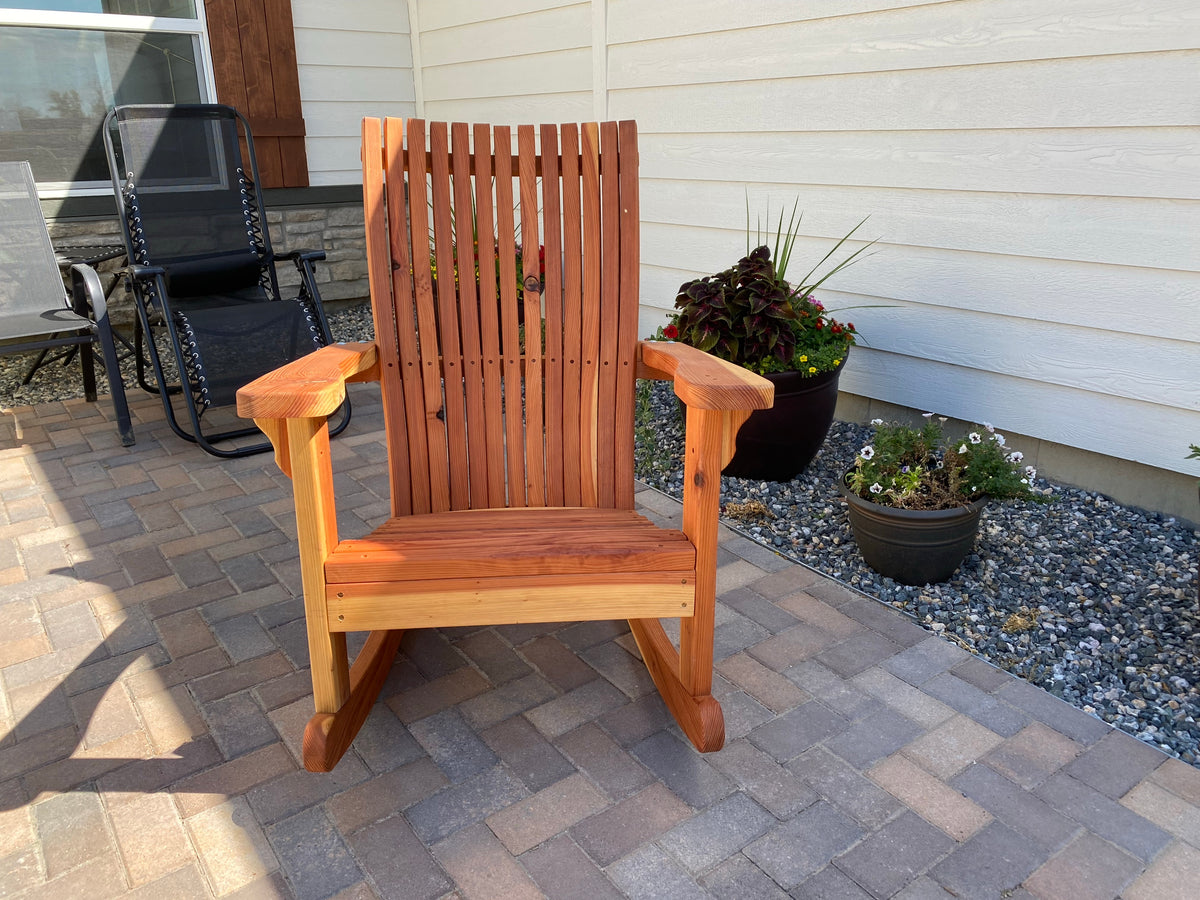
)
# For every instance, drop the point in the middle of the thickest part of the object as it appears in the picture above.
(197, 28)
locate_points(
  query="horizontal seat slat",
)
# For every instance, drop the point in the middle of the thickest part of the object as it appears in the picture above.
(510, 543)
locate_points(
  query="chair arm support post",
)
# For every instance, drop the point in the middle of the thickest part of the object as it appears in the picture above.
(702, 465)
(316, 526)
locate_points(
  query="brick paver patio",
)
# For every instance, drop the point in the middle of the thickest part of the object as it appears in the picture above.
(154, 691)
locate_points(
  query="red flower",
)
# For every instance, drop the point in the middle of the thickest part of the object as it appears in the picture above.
(670, 332)
(820, 323)
(836, 329)
(849, 326)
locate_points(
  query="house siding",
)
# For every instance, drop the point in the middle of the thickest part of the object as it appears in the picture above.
(354, 59)
(1028, 166)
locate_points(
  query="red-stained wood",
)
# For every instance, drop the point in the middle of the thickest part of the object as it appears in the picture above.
(535, 429)
(486, 549)
(572, 319)
(468, 308)
(609, 303)
(433, 418)
(589, 164)
(453, 407)
(403, 393)
(506, 248)
(552, 299)
(489, 315)
(627, 344)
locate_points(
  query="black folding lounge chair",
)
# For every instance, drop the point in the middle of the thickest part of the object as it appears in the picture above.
(202, 268)
(35, 312)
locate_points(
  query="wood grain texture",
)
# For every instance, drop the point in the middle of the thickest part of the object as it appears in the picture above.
(703, 381)
(506, 601)
(699, 715)
(316, 529)
(328, 735)
(313, 385)
(534, 363)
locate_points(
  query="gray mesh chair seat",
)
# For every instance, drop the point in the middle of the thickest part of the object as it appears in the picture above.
(203, 270)
(35, 311)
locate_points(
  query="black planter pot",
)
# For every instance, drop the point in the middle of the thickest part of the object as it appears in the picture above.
(777, 444)
(913, 546)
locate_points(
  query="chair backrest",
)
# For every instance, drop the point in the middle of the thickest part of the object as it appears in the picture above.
(481, 409)
(186, 176)
(29, 276)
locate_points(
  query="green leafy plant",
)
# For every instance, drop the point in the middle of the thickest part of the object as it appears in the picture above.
(909, 467)
(749, 314)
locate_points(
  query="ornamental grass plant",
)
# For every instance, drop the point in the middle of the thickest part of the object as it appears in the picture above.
(749, 314)
(919, 468)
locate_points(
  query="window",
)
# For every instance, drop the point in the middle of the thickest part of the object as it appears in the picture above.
(65, 63)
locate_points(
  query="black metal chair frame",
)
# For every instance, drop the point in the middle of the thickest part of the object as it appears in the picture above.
(77, 321)
(158, 313)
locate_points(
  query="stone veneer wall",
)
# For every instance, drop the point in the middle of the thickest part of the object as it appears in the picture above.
(337, 228)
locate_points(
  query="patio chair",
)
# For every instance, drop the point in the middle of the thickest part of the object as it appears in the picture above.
(35, 311)
(510, 453)
(202, 268)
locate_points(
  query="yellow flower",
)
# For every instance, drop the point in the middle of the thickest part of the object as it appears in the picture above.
(812, 370)
(804, 359)
(837, 362)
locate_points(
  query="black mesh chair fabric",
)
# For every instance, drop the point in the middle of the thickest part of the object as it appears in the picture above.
(204, 270)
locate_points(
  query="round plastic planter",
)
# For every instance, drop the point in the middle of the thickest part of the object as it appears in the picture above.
(912, 546)
(777, 444)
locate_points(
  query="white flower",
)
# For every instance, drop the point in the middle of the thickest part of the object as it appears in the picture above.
(867, 452)
(962, 449)
(1016, 456)
(988, 426)
(1030, 472)
(943, 419)
(877, 421)
(1024, 481)
(974, 437)
(926, 415)
(876, 488)
(998, 438)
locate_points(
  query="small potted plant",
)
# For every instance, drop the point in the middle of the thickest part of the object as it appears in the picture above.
(915, 496)
(749, 314)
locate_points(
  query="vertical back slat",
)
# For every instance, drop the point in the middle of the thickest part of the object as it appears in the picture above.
(383, 309)
(552, 299)
(506, 245)
(572, 318)
(629, 300)
(489, 316)
(453, 403)
(610, 299)
(535, 430)
(589, 164)
(409, 360)
(431, 376)
(472, 353)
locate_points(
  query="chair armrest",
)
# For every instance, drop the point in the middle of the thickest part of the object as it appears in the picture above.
(311, 386)
(302, 255)
(701, 380)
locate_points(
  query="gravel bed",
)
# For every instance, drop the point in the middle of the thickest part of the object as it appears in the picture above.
(1091, 600)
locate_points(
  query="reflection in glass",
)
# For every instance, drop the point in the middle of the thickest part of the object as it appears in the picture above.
(56, 84)
(174, 9)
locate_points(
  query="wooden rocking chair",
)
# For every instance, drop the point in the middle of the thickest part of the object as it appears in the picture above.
(510, 454)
